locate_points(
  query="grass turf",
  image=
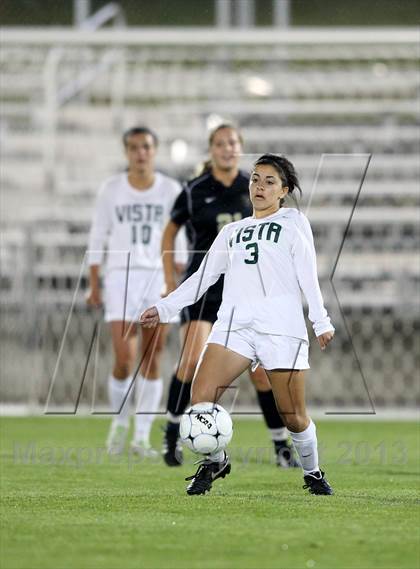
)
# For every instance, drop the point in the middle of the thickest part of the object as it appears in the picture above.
(65, 504)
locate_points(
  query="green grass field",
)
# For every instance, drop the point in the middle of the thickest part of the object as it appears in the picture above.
(65, 504)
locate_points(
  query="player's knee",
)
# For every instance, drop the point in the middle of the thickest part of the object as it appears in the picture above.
(121, 369)
(296, 422)
(184, 376)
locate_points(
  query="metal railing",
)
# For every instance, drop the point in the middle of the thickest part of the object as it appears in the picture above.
(56, 96)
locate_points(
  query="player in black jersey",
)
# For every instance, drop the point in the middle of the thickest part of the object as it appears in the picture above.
(218, 196)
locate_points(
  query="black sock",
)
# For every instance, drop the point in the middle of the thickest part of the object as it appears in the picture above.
(172, 428)
(179, 396)
(268, 406)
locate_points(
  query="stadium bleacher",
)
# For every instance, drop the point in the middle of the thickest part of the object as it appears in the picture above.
(62, 113)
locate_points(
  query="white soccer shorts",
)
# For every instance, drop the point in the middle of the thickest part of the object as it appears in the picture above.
(269, 350)
(126, 300)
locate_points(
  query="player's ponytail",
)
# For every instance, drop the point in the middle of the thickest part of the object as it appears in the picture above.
(285, 170)
(203, 168)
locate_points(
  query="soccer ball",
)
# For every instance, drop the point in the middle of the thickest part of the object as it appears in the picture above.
(206, 428)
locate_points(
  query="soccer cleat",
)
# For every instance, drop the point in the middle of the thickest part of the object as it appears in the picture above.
(317, 483)
(207, 473)
(285, 455)
(144, 449)
(116, 439)
(172, 449)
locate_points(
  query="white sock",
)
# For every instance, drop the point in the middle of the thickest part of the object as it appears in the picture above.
(148, 396)
(218, 456)
(280, 434)
(117, 391)
(307, 448)
(174, 418)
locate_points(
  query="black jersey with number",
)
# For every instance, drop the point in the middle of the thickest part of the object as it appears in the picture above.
(205, 206)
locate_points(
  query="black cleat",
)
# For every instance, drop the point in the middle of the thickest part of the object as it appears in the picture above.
(207, 473)
(172, 449)
(317, 483)
(285, 455)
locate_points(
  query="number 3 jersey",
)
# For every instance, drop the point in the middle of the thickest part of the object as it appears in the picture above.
(267, 264)
(130, 221)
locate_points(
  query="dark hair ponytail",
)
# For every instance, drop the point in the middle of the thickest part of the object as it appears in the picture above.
(285, 170)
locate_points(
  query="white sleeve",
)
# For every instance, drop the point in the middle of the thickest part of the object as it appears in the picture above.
(304, 259)
(100, 228)
(306, 228)
(214, 264)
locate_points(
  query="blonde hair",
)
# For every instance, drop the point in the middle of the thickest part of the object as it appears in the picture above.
(206, 166)
(203, 168)
(229, 125)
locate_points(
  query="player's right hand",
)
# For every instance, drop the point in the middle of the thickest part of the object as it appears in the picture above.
(150, 317)
(325, 339)
(94, 297)
(168, 287)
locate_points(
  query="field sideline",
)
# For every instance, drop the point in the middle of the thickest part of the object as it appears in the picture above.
(65, 504)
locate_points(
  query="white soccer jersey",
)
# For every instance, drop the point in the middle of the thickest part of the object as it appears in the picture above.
(267, 264)
(129, 221)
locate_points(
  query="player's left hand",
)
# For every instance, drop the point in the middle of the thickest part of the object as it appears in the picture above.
(325, 339)
(150, 317)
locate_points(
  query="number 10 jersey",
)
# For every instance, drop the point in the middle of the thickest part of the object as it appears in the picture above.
(129, 223)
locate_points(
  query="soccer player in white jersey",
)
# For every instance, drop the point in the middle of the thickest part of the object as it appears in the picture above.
(131, 210)
(268, 260)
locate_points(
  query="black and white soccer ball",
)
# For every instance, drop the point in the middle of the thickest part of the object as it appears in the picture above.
(206, 428)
